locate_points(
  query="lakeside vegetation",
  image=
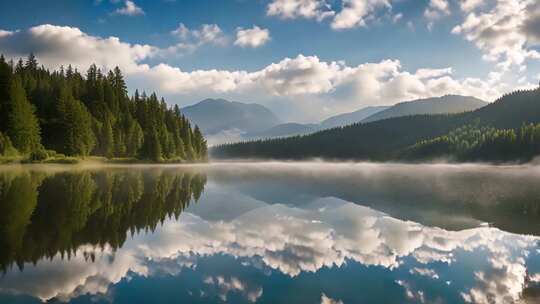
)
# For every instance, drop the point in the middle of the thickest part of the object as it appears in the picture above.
(505, 130)
(480, 143)
(62, 116)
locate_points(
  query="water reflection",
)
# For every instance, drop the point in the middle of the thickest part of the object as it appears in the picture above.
(450, 196)
(268, 234)
(44, 215)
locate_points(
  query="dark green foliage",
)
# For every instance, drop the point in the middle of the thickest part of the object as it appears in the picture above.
(152, 148)
(18, 199)
(480, 143)
(23, 126)
(107, 139)
(5, 80)
(76, 122)
(199, 143)
(92, 115)
(389, 139)
(134, 137)
(6, 147)
(38, 155)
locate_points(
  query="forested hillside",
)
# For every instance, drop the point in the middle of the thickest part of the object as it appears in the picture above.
(474, 142)
(448, 104)
(43, 113)
(284, 130)
(392, 139)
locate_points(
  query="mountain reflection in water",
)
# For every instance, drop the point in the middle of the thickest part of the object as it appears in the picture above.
(271, 233)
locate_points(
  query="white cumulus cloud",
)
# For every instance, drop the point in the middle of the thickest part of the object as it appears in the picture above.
(129, 9)
(356, 12)
(504, 32)
(290, 9)
(353, 13)
(469, 5)
(253, 37)
(62, 45)
(435, 10)
(192, 39)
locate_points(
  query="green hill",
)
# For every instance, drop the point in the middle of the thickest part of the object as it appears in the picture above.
(390, 139)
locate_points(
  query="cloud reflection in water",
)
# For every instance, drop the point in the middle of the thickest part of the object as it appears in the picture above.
(291, 241)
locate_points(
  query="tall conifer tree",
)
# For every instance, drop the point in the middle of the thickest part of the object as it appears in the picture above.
(23, 125)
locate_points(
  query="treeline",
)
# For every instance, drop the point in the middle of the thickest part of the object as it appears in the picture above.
(43, 113)
(387, 139)
(480, 143)
(44, 215)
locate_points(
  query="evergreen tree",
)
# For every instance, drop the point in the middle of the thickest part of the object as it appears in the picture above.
(107, 137)
(199, 144)
(152, 147)
(23, 125)
(119, 142)
(5, 79)
(91, 114)
(31, 63)
(134, 138)
(78, 138)
(118, 82)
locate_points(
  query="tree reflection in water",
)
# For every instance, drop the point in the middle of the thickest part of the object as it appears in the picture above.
(44, 214)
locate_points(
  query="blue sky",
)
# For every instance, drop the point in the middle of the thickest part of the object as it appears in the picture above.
(343, 54)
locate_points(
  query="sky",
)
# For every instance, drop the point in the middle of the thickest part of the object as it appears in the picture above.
(305, 60)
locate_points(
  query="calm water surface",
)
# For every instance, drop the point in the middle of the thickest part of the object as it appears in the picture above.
(270, 233)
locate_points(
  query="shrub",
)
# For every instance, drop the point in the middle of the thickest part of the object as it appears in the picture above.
(6, 147)
(51, 153)
(38, 155)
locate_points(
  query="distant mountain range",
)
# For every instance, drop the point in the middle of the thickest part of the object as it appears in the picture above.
(498, 131)
(284, 130)
(352, 117)
(225, 121)
(447, 104)
(292, 129)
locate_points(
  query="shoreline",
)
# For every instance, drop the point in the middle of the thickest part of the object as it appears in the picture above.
(93, 163)
(89, 160)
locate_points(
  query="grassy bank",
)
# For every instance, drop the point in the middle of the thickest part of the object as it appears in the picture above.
(61, 159)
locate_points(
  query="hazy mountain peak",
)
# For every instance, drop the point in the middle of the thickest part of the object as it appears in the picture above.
(219, 115)
(351, 117)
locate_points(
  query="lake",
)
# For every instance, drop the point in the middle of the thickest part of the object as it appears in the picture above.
(270, 233)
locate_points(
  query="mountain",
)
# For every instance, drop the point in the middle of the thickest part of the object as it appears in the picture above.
(293, 129)
(447, 104)
(350, 118)
(283, 130)
(440, 105)
(217, 115)
(386, 139)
